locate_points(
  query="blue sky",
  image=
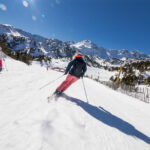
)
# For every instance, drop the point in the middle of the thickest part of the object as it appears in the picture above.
(115, 24)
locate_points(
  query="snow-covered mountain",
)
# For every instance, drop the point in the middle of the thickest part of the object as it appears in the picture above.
(89, 48)
(35, 45)
(11, 31)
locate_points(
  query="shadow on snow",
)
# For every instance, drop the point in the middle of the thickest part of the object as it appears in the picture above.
(107, 118)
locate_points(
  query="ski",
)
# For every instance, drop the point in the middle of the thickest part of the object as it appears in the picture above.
(53, 97)
(49, 98)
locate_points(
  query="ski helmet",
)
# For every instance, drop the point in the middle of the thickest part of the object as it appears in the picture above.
(77, 55)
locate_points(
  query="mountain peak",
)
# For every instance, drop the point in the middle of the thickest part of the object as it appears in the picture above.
(7, 25)
(86, 47)
(88, 44)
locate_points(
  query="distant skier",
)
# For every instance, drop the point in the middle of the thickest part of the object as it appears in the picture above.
(76, 68)
(1, 57)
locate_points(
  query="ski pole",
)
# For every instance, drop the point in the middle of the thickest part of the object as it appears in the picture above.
(85, 91)
(5, 65)
(51, 82)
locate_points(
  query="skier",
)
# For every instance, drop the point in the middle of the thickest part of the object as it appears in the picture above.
(76, 68)
(1, 57)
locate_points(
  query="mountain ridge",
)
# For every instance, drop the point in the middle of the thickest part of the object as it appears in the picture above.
(18, 39)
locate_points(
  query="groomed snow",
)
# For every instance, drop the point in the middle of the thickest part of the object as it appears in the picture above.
(111, 121)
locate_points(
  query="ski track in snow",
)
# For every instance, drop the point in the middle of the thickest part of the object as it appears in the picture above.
(111, 121)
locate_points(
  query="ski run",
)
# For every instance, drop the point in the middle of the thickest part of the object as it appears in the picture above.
(110, 121)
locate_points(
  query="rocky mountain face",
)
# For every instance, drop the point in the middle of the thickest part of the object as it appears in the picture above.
(19, 41)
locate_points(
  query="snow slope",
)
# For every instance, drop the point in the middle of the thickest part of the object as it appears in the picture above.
(111, 121)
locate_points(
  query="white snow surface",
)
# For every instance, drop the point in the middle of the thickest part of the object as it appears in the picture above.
(111, 120)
